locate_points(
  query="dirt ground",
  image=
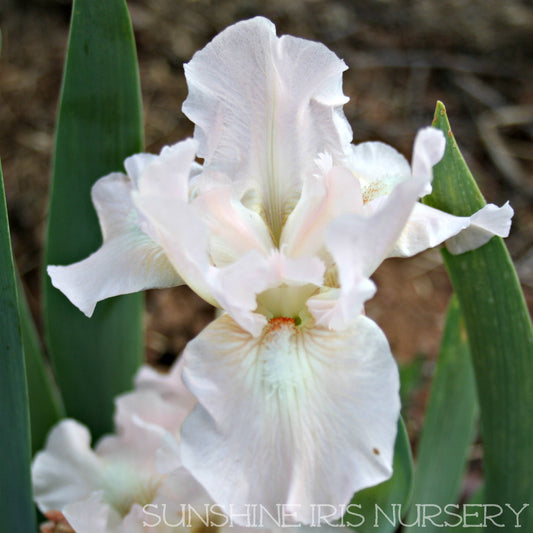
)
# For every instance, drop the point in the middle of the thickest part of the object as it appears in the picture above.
(474, 55)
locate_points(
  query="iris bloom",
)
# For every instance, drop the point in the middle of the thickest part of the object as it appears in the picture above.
(105, 490)
(281, 227)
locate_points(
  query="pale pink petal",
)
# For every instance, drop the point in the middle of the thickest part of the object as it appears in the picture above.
(67, 469)
(324, 197)
(264, 108)
(295, 416)
(234, 230)
(169, 385)
(90, 514)
(128, 261)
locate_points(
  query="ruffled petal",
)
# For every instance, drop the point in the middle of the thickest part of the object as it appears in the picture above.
(358, 245)
(295, 417)
(428, 227)
(67, 469)
(234, 230)
(378, 168)
(324, 197)
(236, 286)
(264, 108)
(169, 385)
(90, 514)
(183, 236)
(128, 261)
(126, 264)
(428, 150)
(489, 221)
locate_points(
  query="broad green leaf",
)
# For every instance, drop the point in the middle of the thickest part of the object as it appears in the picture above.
(501, 341)
(99, 125)
(16, 505)
(448, 429)
(411, 379)
(46, 406)
(381, 508)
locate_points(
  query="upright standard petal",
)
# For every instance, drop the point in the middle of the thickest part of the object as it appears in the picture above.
(295, 417)
(264, 108)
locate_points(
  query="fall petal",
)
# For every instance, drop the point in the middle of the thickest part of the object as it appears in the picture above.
(318, 423)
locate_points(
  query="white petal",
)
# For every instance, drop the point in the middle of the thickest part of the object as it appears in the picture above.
(136, 164)
(358, 244)
(428, 150)
(489, 221)
(264, 108)
(67, 469)
(323, 198)
(183, 236)
(234, 230)
(90, 514)
(428, 227)
(236, 286)
(125, 264)
(294, 417)
(378, 167)
(142, 421)
(128, 261)
(169, 385)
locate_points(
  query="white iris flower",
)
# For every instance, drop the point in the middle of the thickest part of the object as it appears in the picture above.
(281, 227)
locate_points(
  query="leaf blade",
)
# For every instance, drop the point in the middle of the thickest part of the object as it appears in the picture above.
(45, 403)
(16, 505)
(500, 336)
(99, 125)
(448, 426)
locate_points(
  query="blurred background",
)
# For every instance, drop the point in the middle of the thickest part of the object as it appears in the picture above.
(474, 55)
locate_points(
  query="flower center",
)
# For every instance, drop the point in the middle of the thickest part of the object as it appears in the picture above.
(125, 486)
(287, 302)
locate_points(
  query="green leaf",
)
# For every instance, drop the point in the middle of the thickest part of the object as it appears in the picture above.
(99, 125)
(46, 406)
(380, 508)
(448, 428)
(501, 341)
(16, 505)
